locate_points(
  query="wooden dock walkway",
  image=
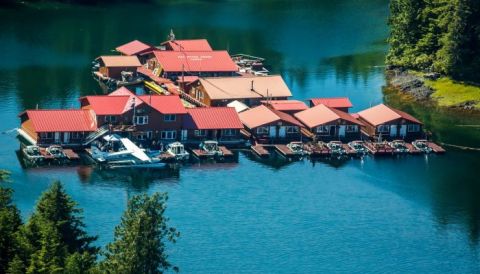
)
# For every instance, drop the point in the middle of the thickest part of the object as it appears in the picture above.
(284, 150)
(316, 150)
(348, 149)
(226, 152)
(436, 148)
(260, 150)
(379, 148)
(412, 149)
(71, 155)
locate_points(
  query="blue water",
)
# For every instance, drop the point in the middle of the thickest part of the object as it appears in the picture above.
(376, 215)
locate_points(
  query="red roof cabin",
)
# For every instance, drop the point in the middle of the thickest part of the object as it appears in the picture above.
(212, 123)
(187, 45)
(267, 125)
(330, 124)
(174, 64)
(287, 106)
(113, 66)
(390, 123)
(134, 47)
(340, 103)
(69, 128)
(143, 118)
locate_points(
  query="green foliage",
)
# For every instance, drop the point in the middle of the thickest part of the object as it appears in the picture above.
(436, 35)
(139, 244)
(9, 225)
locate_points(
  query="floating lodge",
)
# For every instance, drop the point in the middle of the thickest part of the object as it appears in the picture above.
(197, 94)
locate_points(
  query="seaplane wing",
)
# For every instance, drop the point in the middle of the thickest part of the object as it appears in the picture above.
(135, 150)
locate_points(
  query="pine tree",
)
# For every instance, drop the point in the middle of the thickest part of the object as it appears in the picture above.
(139, 242)
(10, 222)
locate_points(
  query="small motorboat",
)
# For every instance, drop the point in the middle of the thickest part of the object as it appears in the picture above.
(398, 146)
(296, 148)
(177, 150)
(210, 148)
(336, 148)
(358, 147)
(422, 145)
(32, 153)
(56, 152)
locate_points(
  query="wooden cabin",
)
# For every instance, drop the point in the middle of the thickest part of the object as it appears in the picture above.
(330, 124)
(250, 90)
(57, 126)
(187, 45)
(221, 124)
(271, 126)
(146, 118)
(175, 64)
(389, 123)
(113, 66)
(340, 103)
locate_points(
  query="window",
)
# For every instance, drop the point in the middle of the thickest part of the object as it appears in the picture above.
(46, 135)
(228, 132)
(168, 134)
(76, 135)
(141, 120)
(413, 128)
(110, 119)
(383, 128)
(169, 117)
(262, 130)
(199, 95)
(200, 132)
(323, 129)
(351, 128)
(292, 129)
(146, 135)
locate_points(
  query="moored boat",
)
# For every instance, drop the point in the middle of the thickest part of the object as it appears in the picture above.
(56, 152)
(358, 147)
(177, 150)
(336, 148)
(422, 145)
(210, 148)
(32, 153)
(398, 146)
(296, 148)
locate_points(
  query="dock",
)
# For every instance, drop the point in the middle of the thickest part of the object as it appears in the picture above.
(71, 155)
(260, 151)
(200, 153)
(412, 149)
(348, 149)
(226, 152)
(379, 148)
(436, 148)
(316, 150)
(284, 150)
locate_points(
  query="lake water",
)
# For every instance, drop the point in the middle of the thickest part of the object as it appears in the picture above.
(396, 215)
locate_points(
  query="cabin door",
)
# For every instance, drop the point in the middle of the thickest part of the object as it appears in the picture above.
(403, 131)
(57, 137)
(393, 131)
(282, 132)
(341, 131)
(66, 137)
(184, 135)
(272, 132)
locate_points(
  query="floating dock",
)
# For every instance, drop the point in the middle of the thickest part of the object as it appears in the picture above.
(436, 148)
(260, 151)
(199, 153)
(284, 150)
(71, 155)
(348, 149)
(412, 149)
(316, 150)
(379, 148)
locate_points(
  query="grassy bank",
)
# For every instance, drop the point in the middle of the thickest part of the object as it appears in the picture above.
(451, 93)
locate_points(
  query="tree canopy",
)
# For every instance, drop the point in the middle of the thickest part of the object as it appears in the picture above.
(436, 35)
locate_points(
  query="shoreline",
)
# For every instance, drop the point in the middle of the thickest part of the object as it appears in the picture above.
(434, 89)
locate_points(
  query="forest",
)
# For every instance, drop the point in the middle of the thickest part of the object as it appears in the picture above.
(441, 36)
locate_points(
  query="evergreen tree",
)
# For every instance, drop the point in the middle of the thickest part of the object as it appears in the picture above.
(10, 222)
(139, 242)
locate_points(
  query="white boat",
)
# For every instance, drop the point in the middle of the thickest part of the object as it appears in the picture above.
(336, 148)
(56, 152)
(129, 155)
(210, 148)
(398, 146)
(422, 145)
(32, 153)
(177, 150)
(296, 148)
(358, 147)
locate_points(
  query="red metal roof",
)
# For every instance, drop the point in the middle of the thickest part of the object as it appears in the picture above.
(108, 105)
(189, 45)
(213, 118)
(321, 115)
(202, 61)
(286, 105)
(157, 79)
(261, 115)
(187, 79)
(165, 104)
(120, 61)
(134, 47)
(381, 114)
(338, 102)
(60, 120)
(121, 91)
